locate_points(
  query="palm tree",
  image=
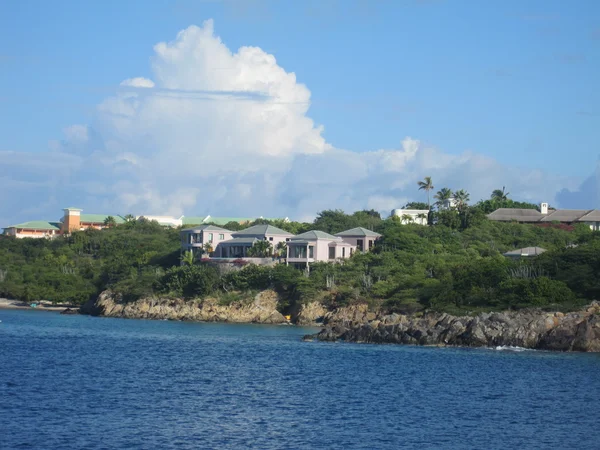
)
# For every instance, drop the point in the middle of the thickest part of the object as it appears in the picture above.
(461, 198)
(129, 218)
(407, 218)
(442, 195)
(426, 185)
(110, 222)
(187, 258)
(261, 249)
(500, 195)
(208, 248)
(422, 217)
(281, 249)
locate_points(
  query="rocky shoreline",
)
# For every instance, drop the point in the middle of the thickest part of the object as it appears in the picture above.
(533, 329)
(261, 309)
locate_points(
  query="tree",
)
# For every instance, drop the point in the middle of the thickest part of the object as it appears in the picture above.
(422, 217)
(281, 249)
(110, 222)
(426, 185)
(187, 258)
(208, 248)
(406, 219)
(129, 218)
(261, 249)
(461, 197)
(500, 195)
(415, 205)
(443, 195)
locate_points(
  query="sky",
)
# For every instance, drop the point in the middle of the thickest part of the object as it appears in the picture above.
(281, 108)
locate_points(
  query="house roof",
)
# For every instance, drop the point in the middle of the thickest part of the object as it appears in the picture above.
(239, 241)
(527, 251)
(197, 220)
(206, 228)
(518, 214)
(37, 225)
(261, 230)
(224, 220)
(99, 218)
(565, 215)
(358, 231)
(315, 234)
(592, 216)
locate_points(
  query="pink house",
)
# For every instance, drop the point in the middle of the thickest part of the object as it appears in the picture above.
(194, 239)
(242, 240)
(360, 237)
(315, 246)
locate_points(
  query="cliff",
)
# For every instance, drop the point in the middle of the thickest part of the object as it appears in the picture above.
(262, 309)
(575, 331)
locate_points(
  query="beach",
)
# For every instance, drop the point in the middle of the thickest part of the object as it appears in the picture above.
(6, 303)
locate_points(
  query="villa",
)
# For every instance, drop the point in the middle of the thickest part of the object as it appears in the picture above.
(314, 246)
(547, 215)
(72, 220)
(416, 216)
(301, 250)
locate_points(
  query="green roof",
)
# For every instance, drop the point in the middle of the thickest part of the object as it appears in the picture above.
(315, 234)
(358, 231)
(193, 220)
(207, 228)
(259, 230)
(99, 218)
(225, 220)
(37, 225)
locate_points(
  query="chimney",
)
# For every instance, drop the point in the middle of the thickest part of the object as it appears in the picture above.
(71, 220)
(544, 208)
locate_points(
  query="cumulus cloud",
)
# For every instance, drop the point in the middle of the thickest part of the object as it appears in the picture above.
(228, 133)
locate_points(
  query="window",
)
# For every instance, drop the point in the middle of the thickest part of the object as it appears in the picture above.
(370, 244)
(359, 245)
(298, 251)
(287, 239)
(343, 252)
(311, 251)
(271, 238)
(351, 251)
(210, 237)
(331, 252)
(221, 237)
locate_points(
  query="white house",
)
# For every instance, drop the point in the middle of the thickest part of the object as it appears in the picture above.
(417, 216)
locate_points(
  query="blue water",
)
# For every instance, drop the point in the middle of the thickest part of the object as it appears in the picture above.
(96, 383)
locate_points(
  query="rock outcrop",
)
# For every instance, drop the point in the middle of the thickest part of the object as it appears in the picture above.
(576, 331)
(262, 309)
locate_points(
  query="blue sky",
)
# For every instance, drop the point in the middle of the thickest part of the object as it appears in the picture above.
(514, 81)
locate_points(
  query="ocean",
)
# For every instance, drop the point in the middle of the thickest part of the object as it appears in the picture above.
(80, 382)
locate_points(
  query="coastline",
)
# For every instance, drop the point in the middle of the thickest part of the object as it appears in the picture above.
(6, 303)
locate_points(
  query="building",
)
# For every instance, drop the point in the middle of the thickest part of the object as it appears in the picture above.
(360, 238)
(592, 219)
(313, 246)
(527, 252)
(546, 215)
(34, 229)
(406, 216)
(195, 239)
(72, 220)
(242, 240)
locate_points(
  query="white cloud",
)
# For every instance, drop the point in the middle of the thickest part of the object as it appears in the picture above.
(227, 133)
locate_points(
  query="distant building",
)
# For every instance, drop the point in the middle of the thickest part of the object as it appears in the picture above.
(417, 216)
(72, 220)
(527, 252)
(591, 217)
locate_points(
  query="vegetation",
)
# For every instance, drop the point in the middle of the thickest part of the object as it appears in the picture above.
(454, 265)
